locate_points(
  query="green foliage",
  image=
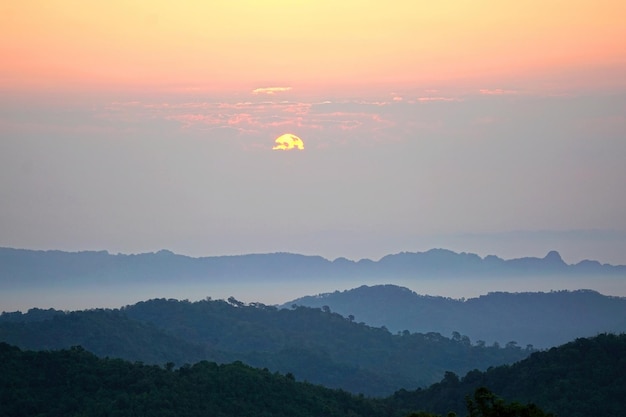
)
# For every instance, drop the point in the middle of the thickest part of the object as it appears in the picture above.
(487, 404)
(103, 332)
(423, 414)
(319, 346)
(314, 345)
(75, 382)
(576, 379)
(579, 379)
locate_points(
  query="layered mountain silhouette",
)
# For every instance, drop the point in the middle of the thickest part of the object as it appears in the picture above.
(315, 345)
(579, 379)
(536, 318)
(24, 268)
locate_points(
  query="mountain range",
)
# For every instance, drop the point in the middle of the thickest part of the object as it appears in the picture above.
(21, 268)
(373, 340)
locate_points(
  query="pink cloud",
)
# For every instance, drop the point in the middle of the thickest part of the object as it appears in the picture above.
(496, 91)
(270, 90)
(429, 98)
(256, 119)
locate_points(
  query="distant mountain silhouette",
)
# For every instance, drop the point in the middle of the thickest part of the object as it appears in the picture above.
(540, 319)
(21, 268)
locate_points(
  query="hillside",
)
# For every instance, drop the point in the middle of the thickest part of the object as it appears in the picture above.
(75, 382)
(579, 379)
(102, 332)
(539, 319)
(315, 345)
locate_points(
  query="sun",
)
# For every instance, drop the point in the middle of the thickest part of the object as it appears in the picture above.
(287, 142)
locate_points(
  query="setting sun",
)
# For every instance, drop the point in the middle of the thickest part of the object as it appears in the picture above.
(287, 142)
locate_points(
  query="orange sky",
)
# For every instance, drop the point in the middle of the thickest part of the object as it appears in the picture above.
(240, 45)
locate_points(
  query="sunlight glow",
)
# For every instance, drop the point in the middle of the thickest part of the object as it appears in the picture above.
(168, 45)
(287, 142)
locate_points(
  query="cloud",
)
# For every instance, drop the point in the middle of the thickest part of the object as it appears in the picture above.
(428, 98)
(270, 90)
(256, 119)
(496, 91)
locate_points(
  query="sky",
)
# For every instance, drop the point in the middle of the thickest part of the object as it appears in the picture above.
(480, 126)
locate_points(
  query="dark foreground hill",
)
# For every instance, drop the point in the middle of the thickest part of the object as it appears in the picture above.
(77, 383)
(540, 319)
(582, 378)
(315, 345)
(586, 377)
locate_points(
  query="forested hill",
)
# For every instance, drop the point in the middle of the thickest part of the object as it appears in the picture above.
(76, 383)
(315, 345)
(580, 379)
(586, 377)
(21, 268)
(102, 332)
(540, 319)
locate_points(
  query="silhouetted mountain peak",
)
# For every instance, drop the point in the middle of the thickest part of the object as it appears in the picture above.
(343, 261)
(586, 263)
(554, 257)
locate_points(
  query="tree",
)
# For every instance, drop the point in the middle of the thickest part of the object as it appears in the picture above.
(487, 404)
(451, 378)
(511, 345)
(235, 302)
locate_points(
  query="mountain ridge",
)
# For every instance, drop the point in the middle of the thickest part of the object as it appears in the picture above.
(541, 319)
(20, 267)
